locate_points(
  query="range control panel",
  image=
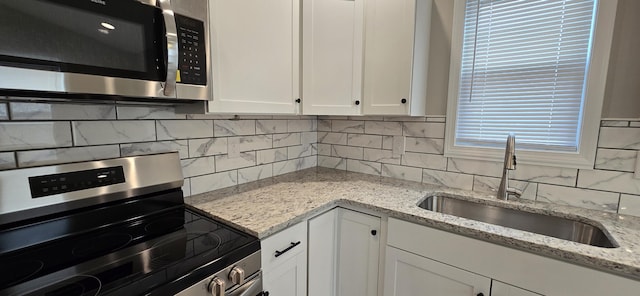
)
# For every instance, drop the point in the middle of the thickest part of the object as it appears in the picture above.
(66, 182)
(192, 63)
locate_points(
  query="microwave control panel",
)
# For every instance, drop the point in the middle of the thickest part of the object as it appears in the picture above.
(192, 63)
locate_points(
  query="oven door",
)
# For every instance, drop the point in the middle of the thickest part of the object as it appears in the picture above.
(106, 47)
(252, 287)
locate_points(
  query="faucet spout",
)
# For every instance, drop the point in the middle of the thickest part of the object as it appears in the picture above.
(510, 153)
(509, 164)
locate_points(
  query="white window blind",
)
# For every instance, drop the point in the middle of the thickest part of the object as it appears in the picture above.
(523, 71)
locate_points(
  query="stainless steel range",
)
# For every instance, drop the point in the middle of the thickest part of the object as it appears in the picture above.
(117, 227)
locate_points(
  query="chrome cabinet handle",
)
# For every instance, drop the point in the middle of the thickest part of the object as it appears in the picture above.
(172, 46)
(293, 245)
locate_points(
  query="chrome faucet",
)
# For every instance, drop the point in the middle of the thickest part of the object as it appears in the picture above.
(509, 164)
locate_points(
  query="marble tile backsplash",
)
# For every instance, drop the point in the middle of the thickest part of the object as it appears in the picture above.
(4, 113)
(368, 145)
(216, 151)
(34, 135)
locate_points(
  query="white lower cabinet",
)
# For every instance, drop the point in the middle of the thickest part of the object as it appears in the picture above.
(338, 253)
(502, 289)
(288, 278)
(408, 274)
(284, 262)
(344, 252)
(358, 253)
(426, 261)
(322, 254)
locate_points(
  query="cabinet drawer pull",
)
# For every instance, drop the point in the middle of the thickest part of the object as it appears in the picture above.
(278, 253)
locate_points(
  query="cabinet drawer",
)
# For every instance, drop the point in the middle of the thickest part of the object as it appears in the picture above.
(287, 243)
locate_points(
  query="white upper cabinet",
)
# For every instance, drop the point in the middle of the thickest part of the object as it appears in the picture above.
(332, 46)
(359, 57)
(255, 56)
(396, 56)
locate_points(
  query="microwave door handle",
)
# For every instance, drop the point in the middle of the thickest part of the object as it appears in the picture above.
(172, 46)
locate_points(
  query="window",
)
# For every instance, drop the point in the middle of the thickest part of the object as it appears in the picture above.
(533, 68)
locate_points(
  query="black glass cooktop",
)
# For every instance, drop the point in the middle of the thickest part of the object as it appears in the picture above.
(134, 256)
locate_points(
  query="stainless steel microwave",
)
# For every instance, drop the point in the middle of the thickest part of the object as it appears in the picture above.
(126, 48)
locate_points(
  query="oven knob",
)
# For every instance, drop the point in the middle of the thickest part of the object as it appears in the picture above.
(216, 287)
(236, 276)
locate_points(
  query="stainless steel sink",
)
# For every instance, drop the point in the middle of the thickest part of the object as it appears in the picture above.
(563, 228)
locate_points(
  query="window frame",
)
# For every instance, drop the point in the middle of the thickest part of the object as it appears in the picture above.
(596, 79)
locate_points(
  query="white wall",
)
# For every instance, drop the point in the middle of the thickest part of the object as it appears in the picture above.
(622, 95)
(439, 56)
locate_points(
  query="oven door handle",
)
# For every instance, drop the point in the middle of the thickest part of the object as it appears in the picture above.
(169, 87)
(251, 287)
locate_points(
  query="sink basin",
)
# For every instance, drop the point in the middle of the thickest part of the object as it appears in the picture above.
(558, 227)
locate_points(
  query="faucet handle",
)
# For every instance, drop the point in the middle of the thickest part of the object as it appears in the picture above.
(514, 193)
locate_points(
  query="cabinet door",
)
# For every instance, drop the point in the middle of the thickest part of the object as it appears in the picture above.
(502, 289)
(332, 57)
(396, 56)
(358, 253)
(388, 55)
(254, 56)
(323, 254)
(407, 274)
(343, 254)
(288, 278)
(284, 261)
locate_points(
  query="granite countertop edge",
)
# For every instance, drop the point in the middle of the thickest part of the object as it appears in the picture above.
(288, 199)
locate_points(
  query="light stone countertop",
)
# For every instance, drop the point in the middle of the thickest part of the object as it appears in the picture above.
(265, 207)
